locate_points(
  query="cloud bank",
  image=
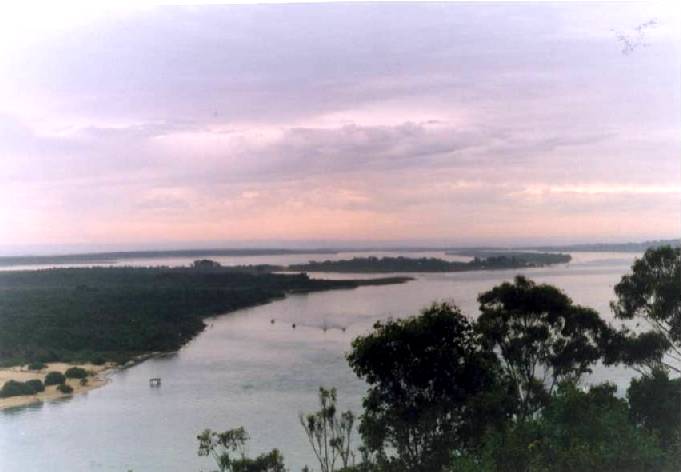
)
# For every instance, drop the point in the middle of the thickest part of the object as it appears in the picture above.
(465, 123)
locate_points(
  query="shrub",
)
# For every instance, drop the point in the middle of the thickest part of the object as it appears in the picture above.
(65, 388)
(75, 373)
(36, 365)
(54, 378)
(12, 388)
(36, 385)
(83, 381)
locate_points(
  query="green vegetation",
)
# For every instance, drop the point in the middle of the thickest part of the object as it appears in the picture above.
(537, 328)
(54, 378)
(431, 388)
(65, 388)
(502, 393)
(330, 434)
(228, 451)
(431, 264)
(13, 388)
(576, 431)
(651, 292)
(114, 314)
(75, 373)
(36, 385)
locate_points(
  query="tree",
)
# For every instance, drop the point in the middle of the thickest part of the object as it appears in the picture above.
(652, 292)
(75, 373)
(13, 388)
(541, 336)
(330, 435)
(591, 432)
(54, 378)
(576, 431)
(429, 389)
(228, 449)
(654, 405)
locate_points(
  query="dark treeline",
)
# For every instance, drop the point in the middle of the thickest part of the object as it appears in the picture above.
(101, 314)
(516, 260)
(504, 392)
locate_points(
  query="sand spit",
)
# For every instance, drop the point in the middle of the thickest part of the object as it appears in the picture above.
(97, 378)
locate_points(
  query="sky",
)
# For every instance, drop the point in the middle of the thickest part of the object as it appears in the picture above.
(453, 123)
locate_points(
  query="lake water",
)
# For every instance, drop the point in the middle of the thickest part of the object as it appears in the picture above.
(245, 371)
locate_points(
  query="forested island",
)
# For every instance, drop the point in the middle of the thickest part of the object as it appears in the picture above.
(516, 260)
(114, 314)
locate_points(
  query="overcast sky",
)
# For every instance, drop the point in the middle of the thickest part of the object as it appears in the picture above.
(494, 124)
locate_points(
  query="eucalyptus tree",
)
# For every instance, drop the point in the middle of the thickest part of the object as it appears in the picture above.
(541, 337)
(651, 292)
(433, 390)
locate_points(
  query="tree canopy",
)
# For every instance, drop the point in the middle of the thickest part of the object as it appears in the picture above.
(541, 336)
(652, 292)
(431, 388)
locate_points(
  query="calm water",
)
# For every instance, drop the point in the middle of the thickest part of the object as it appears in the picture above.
(243, 370)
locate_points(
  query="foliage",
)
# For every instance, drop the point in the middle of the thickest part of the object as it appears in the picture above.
(75, 373)
(36, 365)
(13, 388)
(54, 378)
(541, 337)
(65, 388)
(228, 451)
(655, 402)
(591, 432)
(431, 264)
(205, 264)
(432, 390)
(36, 385)
(652, 292)
(77, 315)
(329, 434)
(576, 431)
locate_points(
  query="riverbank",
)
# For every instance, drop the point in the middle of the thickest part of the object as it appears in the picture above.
(115, 314)
(98, 378)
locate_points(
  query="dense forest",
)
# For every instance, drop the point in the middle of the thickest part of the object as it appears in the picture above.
(516, 260)
(101, 314)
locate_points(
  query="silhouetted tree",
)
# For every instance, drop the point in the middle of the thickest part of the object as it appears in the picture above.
(576, 431)
(541, 336)
(329, 433)
(432, 389)
(652, 292)
(654, 404)
(228, 449)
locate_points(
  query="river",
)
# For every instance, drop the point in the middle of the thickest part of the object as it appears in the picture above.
(244, 370)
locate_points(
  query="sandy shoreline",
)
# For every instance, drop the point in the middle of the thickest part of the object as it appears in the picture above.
(22, 374)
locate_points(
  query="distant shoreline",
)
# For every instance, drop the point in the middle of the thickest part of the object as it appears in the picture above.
(113, 257)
